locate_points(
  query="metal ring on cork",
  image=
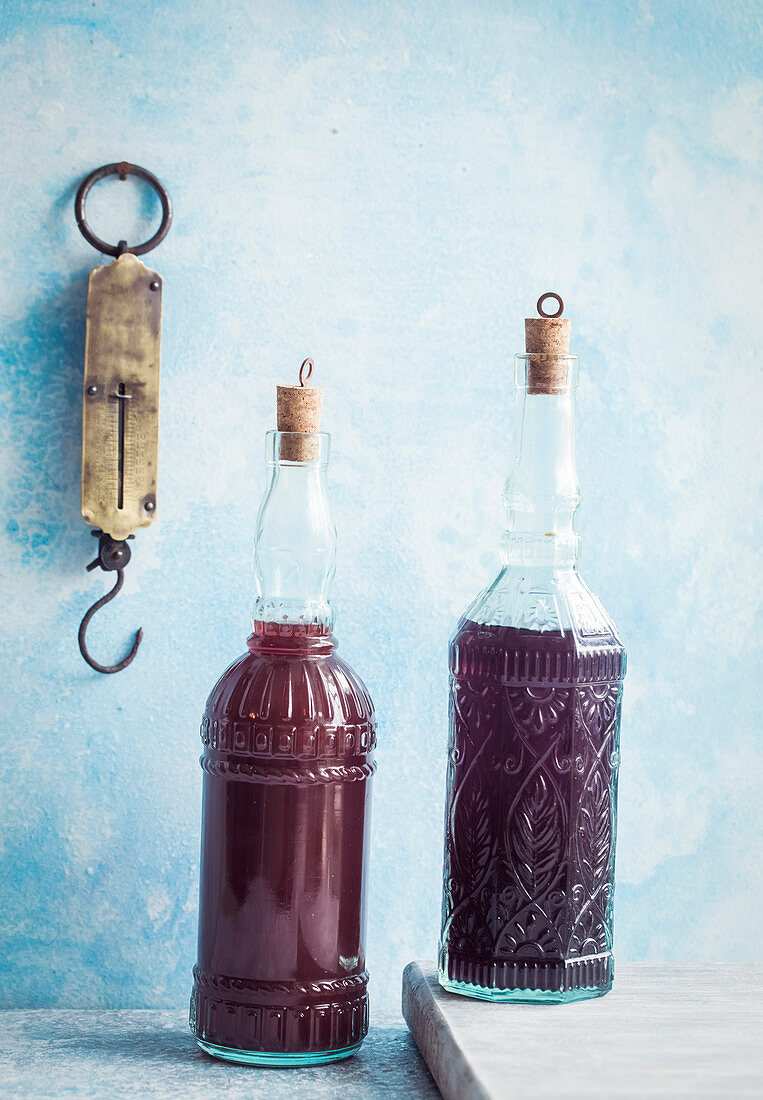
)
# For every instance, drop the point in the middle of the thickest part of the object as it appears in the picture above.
(309, 364)
(542, 299)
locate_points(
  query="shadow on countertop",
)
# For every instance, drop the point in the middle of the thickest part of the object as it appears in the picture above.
(120, 1053)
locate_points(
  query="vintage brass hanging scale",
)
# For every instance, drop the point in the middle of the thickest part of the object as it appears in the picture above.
(120, 408)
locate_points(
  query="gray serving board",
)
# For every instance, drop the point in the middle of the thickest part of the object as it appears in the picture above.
(673, 1030)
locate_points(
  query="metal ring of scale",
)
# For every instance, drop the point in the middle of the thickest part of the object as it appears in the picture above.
(123, 170)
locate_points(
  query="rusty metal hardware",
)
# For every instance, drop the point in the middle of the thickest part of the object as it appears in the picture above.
(120, 418)
(305, 377)
(113, 556)
(123, 170)
(120, 409)
(541, 301)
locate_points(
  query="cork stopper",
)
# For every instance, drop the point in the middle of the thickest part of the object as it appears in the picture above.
(298, 409)
(547, 337)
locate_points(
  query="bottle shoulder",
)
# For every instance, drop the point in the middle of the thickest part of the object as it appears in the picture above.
(532, 627)
(291, 688)
(543, 601)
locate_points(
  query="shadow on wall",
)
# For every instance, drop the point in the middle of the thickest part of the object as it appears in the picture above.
(44, 355)
(43, 352)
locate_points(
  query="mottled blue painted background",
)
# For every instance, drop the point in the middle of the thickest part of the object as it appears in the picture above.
(388, 188)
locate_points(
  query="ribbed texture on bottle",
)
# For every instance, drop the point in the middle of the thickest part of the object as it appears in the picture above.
(594, 665)
(524, 664)
(301, 1024)
(529, 976)
(291, 690)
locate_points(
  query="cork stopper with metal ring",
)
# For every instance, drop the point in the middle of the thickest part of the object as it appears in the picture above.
(299, 413)
(547, 343)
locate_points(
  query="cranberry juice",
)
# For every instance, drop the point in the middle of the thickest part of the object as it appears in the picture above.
(288, 737)
(530, 813)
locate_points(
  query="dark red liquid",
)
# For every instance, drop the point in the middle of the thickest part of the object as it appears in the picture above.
(288, 736)
(531, 804)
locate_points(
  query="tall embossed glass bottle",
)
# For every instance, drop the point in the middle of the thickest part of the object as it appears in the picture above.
(288, 736)
(536, 670)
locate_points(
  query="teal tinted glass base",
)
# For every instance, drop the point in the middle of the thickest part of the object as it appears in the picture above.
(534, 996)
(264, 1058)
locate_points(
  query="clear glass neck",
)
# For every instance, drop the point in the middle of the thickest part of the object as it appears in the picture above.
(295, 538)
(542, 491)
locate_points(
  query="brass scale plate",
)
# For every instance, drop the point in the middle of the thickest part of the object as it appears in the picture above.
(120, 419)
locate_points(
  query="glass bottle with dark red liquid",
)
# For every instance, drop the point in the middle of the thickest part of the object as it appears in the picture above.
(536, 670)
(288, 736)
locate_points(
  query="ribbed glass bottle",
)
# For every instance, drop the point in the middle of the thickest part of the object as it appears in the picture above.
(288, 735)
(536, 670)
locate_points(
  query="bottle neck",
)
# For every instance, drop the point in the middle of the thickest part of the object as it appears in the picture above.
(295, 539)
(542, 492)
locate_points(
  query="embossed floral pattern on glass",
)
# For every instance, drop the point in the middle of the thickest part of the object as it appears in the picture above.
(536, 671)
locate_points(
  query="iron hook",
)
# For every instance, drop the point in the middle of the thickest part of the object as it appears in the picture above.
(113, 555)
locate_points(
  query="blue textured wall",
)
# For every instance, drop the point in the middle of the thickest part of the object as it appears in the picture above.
(386, 188)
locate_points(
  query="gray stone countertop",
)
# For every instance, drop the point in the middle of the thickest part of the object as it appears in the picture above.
(670, 1030)
(47, 1053)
